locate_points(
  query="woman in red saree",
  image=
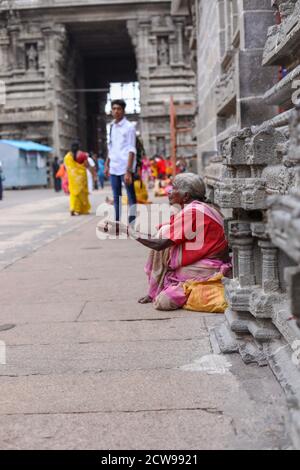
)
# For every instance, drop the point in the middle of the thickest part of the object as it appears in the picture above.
(190, 247)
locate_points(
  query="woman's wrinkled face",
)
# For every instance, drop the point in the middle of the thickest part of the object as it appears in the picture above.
(176, 197)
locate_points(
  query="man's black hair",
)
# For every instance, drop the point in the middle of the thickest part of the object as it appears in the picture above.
(121, 103)
(75, 144)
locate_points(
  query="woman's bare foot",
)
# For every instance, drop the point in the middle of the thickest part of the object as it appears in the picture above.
(145, 300)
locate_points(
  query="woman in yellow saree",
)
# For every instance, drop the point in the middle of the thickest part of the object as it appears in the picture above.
(78, 183)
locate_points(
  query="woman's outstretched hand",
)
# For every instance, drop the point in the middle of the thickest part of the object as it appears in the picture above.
(110, 227)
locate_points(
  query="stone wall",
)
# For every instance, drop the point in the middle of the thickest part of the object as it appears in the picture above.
(164, 70)
(249, 145)
(41, 67)
(231, 81)
(38, 67)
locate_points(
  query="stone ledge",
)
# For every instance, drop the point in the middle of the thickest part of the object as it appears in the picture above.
(284, 224)
(282, 92)
(261, 330)
(280, 359)
(294, 425)
(283, 320)
(253, 147)
(245, 193)
(283, 40)
(230, 343)
(27, 116)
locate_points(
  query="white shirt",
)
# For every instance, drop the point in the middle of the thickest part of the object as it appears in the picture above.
(91, 162)
(90, 175)
(122, 142)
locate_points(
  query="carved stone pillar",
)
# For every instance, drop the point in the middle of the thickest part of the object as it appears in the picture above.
(14, 32)
(4, 47)
(240, 235)
(270, 274)
(246, 262)
(180, 53)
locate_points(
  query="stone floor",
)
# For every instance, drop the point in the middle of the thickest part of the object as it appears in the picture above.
(88, 367)
(31, 218)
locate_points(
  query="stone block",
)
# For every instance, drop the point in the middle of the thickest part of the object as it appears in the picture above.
(234, 148)
(293, 282)
(245, 193)
(259, 79)
(279, 179)
(237, 321)
(284, 223)
(294, 147)
(263, 330)
(226, 339)
(252, 354)
(256, 5)
(295, 428)
(244, 323)
(226, 89)
(253, 112)
(237, 297)
(283, 40)
(261, 303)
(256, 25)
(284, 321)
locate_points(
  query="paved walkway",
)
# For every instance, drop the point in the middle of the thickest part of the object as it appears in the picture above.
(88, 367)
(31, 218)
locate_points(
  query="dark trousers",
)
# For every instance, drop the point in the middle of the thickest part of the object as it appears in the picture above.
(1, 189)
(101, 180)
(57, 184)
(116, 183)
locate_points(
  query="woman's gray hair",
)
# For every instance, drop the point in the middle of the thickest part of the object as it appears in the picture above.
(192, 184)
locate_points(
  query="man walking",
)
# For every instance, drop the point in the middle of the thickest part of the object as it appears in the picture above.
(121, 160)
(57, 181)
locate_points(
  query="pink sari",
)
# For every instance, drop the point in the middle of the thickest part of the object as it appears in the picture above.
(166, 274)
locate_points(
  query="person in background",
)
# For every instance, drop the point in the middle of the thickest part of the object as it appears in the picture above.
(91, 173)
(63, 175)
(1, 181)
(121, 162)
(96, 182)
(180, 166)
(101, 172)
(146, 170)
(190, 247)
(161, 168)
(140, 153)
(56, 179)
(76, 163)
(154, 171)
(142, 196)
(169, 167)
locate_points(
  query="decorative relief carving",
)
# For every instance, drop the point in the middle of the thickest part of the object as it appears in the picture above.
(226, 87)
(163, 51)
(32, 56)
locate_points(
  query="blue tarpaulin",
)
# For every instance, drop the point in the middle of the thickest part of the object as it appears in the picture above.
(27, 146)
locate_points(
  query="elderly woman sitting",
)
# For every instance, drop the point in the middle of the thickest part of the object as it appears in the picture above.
(190, 247)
